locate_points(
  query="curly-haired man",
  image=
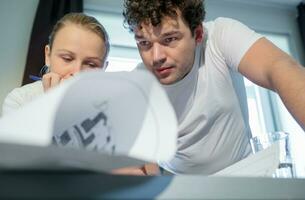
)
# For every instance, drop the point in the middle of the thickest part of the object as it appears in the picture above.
(200, 66)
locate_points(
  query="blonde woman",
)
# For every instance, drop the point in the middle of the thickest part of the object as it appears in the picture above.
(77, 42)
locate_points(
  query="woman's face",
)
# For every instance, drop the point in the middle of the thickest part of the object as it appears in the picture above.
(75, 49)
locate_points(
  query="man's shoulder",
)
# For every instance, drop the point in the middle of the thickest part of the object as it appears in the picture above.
(140, 66)
(220, 21)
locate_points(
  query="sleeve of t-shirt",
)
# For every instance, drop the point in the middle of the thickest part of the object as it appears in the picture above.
(233, 39)
(20, 96)
(140, 66)
(12, 102)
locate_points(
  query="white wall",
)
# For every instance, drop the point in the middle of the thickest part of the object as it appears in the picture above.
(16, 19)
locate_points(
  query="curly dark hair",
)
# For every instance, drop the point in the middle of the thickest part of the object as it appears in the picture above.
(152, 11)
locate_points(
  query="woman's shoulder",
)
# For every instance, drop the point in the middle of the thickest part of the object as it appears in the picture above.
(29, 90)
(19, 96)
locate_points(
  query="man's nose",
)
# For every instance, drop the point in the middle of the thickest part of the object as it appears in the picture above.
(159, 56)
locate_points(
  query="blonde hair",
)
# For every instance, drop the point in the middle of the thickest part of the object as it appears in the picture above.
(85, 21)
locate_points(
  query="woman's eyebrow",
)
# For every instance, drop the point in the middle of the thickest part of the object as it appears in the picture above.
(94, 58)
(65, 51)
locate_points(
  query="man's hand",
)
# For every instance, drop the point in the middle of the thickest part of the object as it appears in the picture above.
(150, 169)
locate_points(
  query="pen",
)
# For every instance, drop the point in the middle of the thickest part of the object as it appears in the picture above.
(35, 78)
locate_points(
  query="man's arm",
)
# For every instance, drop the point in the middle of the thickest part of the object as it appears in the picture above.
(149, 169)
(268, 66)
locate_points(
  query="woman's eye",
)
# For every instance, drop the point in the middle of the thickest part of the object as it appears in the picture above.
(67, 59)
(92, 65)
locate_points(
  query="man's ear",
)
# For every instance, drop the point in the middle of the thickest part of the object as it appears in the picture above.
(47, 55)
(198, 33)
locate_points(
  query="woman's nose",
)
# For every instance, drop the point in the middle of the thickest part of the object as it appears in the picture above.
(74, 69)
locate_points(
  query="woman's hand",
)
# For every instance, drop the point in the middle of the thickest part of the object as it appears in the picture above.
(52, 79)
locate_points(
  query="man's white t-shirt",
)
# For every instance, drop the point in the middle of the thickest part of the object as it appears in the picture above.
(211, 103)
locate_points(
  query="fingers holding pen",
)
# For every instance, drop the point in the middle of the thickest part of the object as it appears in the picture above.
(67, 76)
(50, 80)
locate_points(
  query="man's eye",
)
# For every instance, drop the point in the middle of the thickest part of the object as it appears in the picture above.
(144, 43)
(169, 40)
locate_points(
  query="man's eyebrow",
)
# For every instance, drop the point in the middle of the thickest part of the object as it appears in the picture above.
(137, 37)
(170, 33)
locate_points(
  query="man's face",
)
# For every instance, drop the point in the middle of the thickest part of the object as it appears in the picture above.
(168, 50)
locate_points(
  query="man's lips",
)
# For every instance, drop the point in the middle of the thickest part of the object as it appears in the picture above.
(162, 69)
